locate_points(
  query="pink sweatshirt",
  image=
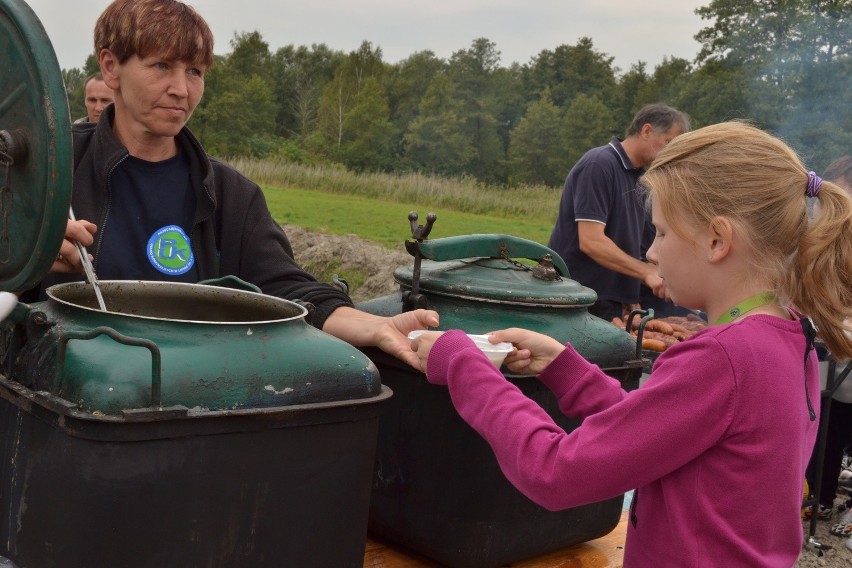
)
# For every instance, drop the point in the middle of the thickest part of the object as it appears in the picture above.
(716, 440)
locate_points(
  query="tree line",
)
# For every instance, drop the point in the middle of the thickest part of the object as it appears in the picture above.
(784, 65)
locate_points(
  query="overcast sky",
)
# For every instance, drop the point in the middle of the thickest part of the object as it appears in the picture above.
(628, 30)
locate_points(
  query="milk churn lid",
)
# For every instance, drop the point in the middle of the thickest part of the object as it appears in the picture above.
(485, 267)
(35, 149)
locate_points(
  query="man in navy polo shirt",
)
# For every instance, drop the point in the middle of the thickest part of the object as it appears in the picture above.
(602, 215)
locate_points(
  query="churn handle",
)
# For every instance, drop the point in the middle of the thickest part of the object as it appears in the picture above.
(490, 246)
(647, 315)
(156, 366)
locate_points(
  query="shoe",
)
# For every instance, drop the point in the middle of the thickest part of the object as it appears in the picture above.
(823, 513)
(843, 526)
(841, 529)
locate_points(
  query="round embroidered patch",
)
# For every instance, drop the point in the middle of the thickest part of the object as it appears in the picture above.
(169, 251)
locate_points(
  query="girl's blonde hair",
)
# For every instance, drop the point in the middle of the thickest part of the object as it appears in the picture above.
(758, 183)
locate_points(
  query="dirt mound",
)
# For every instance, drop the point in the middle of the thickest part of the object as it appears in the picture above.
(322, 253)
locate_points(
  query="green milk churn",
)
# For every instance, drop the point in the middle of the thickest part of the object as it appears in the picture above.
(437, 488)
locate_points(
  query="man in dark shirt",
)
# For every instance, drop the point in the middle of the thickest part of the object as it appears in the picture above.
(97, 96)
(602, 214)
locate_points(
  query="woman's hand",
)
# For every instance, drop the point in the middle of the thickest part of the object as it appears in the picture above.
(395, 341)
(68, 260)
(390, 334)
(534, 351)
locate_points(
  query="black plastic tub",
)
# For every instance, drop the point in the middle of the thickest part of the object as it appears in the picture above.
(286, 486)
(438, 490)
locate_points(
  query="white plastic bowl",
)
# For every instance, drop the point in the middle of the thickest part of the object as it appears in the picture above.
(496, 352)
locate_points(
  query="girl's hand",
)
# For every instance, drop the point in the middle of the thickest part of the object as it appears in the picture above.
(422, 346)
(534, 351)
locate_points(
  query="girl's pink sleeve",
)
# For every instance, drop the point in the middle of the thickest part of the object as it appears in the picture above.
(617, 447)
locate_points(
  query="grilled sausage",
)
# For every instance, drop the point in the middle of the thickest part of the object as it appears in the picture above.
(659, 326)
(653, 345)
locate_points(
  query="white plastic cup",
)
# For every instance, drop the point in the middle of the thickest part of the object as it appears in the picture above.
(496, 352)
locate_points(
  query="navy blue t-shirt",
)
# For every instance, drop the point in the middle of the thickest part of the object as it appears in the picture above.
(146, 235)
(602, 187)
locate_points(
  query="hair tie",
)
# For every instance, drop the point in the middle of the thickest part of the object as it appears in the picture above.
(814, 183)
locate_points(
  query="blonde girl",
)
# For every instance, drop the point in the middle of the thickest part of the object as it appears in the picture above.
(726, 415)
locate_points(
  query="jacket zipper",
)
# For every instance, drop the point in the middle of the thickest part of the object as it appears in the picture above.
(102, 228)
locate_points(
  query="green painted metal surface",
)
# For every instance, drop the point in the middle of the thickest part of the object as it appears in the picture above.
(490, 246)
(210, 358)
(483, 267)
(35, 121)
(496, 280)
(485, 293)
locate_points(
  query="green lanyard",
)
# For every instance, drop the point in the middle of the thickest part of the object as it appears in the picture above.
(747, 305)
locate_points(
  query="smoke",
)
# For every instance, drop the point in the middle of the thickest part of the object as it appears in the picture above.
(804, 94)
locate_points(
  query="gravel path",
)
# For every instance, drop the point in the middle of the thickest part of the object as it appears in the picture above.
(838, 557)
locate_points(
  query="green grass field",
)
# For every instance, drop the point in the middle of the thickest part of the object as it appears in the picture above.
(386, 222)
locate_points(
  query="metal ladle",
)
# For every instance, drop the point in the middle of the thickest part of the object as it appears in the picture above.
(87, 266)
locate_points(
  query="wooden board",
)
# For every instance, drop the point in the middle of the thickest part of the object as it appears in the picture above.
(604, 552)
